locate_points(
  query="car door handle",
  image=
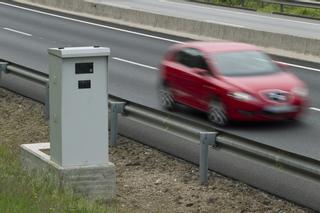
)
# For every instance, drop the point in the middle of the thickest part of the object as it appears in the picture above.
(210, 87)
(207, 86)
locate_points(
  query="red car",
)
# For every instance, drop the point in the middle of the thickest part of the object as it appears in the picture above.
(230, 81)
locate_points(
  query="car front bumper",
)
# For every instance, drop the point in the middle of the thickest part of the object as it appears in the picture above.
(237, 110)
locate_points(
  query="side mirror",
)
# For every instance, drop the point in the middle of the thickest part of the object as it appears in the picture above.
(282, 66)
(200, 71)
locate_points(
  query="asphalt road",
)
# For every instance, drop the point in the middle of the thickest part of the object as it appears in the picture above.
(25, 36)
(225, 16)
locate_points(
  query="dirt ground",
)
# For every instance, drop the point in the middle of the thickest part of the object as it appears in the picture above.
(147, 179)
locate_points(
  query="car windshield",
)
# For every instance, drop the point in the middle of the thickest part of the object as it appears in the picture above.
(244, 63)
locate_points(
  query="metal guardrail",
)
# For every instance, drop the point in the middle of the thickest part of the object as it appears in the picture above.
(203, 136)
(191, 130)
(28, 74)
(283, 3)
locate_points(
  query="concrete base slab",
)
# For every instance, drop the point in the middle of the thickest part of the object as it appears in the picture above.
(96, 182)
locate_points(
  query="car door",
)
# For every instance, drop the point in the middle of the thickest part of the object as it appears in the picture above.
(179, 75)
(199, 80)
(186, 82)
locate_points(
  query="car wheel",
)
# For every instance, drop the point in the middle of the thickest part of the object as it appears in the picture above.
(217, 113)
(166, 98)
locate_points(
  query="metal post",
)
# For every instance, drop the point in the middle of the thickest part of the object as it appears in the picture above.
(242, 3)
(115, 108)
(46, 103)
(281, 8)
(3, 67)
(206, 139)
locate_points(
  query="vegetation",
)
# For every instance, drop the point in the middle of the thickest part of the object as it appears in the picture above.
(266, 7)
(22, 192)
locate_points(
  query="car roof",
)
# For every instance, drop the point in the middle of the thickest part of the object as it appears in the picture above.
(215, 47)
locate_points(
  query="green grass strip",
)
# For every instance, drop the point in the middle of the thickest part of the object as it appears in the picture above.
(23, 192)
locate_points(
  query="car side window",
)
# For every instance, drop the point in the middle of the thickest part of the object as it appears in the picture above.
(192, 58)
(201, 63)
(183, 58)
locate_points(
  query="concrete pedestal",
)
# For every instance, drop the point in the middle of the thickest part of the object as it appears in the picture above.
(94, 182)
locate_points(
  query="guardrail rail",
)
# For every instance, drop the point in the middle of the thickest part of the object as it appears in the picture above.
(282, 3)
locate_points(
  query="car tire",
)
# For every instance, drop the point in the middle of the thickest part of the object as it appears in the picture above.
(217, 113)
(166, 97)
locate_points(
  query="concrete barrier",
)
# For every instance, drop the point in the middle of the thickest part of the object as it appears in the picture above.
(305, 46)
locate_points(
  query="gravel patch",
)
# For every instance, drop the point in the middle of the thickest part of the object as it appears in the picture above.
(147, 180)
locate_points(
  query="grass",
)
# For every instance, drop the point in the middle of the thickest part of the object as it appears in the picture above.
(22, 192)
(267, 8)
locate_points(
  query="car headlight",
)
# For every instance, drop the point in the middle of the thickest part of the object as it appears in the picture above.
(242, 96)
(300, 91)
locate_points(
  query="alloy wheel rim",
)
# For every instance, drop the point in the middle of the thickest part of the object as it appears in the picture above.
(166, 98)
(217, 115)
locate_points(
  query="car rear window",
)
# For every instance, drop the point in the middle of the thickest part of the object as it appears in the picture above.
(244, 63)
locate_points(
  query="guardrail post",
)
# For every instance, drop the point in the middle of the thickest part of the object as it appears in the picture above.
(115, 108)
(46, 102)
(206, 139)
(281, 8)
(3, 67)
(242, 3)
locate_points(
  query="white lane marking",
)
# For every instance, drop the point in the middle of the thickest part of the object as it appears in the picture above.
(17, 31)
(315, 109)
(135, 63)
(241, 13)
(93, 24)
(224, 23)
(126, 31)
(299, 66)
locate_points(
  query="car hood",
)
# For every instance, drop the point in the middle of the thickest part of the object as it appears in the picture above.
(253, 84)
